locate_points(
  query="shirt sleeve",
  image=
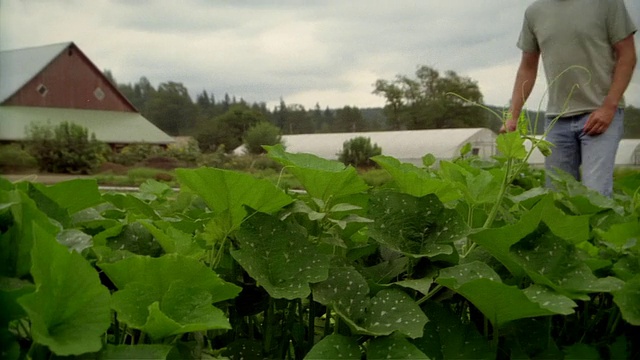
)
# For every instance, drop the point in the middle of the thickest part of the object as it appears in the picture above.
(619, 22)
(527, 41)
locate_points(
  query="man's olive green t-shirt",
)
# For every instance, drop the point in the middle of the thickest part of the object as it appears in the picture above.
(575, 39)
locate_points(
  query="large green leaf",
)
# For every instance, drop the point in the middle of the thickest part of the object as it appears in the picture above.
(446, 337)
(69, 311)
(321, 178)
(303, 160)
(393, 347)
(412, 180)
(551, 261)
(279, 257)
(388, 311)
(335, 347)
(169, 295)
(173, 240)
(498, 241)
(10, 290)
(132, 205)
(415, 226)
(229, 192)
(84, 193)
(628, 300)
(129, 352)
(21, 213)
(160, 273)
(501, 303)
(511, 145)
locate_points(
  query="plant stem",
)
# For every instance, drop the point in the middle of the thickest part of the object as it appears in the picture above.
(430, 294)
(327, 322)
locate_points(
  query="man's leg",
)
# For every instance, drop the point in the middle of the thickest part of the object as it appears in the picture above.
(565, 154)
(599, 155)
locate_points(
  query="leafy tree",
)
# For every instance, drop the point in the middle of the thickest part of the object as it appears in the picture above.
(262, 133)
(348, 119)
(172, 110)
(428, 100)
(228, 129)
(358, 152)
(66, 148)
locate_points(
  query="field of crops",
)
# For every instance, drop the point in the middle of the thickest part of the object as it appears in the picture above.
(471, 260)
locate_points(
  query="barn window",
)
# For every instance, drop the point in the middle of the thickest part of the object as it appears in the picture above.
(42, 90)
(475, 151)
(98, 93)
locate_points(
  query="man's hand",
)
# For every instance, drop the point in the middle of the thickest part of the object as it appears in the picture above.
(599, 120)
(509, 126)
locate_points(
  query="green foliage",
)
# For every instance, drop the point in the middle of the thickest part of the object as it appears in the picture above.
(425, 102)
(66, 148)
(229, 129)
(135, 153)
(262, 133)
(188, 153)
(358, 152)
(13, 158)
(454, 262)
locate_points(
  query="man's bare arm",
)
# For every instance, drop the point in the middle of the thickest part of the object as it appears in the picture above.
(525, 80)
(625, 52)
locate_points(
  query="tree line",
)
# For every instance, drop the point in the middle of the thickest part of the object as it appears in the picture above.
(428, 100)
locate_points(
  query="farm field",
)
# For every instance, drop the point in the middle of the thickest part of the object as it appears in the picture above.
(471, 260)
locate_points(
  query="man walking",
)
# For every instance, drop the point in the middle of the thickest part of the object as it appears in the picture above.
(588, 53)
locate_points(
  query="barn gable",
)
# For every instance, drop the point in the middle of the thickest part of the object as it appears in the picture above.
(56, 83)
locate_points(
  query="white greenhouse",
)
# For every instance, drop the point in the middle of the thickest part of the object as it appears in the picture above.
(628, 153)
(407, 146)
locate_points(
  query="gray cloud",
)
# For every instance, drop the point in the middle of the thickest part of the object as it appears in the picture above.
(330, 52)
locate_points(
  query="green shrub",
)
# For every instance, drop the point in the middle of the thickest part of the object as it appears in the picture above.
(262, 133)
(186, 153)
(14, 158)
(65, 148)
(358, 152)
(135, 153)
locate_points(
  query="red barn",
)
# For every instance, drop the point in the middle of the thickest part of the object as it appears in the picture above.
(57, 83)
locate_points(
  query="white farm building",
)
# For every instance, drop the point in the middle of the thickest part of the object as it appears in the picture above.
(407, 146)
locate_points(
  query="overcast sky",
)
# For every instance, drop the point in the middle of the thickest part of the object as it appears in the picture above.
(306, 52)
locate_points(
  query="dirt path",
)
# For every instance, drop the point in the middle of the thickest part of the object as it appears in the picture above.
(43, 178)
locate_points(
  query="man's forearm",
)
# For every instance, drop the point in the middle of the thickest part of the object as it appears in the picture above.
(525, 80)
(623, 71)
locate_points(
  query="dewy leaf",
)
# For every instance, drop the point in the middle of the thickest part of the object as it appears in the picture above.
(416, 227)
(132, 205)
(335, 347)
(279, 257)
(551, 261)
(393, 347)
(228, 191)
(418, 182)
(500, 303)
(69, 311)
(75, 240)
(446, 337)
(388, 311)
(628, 300)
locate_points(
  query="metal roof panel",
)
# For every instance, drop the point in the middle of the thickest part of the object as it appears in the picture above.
(19, 66)
(108, 126)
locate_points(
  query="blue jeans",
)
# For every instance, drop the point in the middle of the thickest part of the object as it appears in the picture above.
(596, 154)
